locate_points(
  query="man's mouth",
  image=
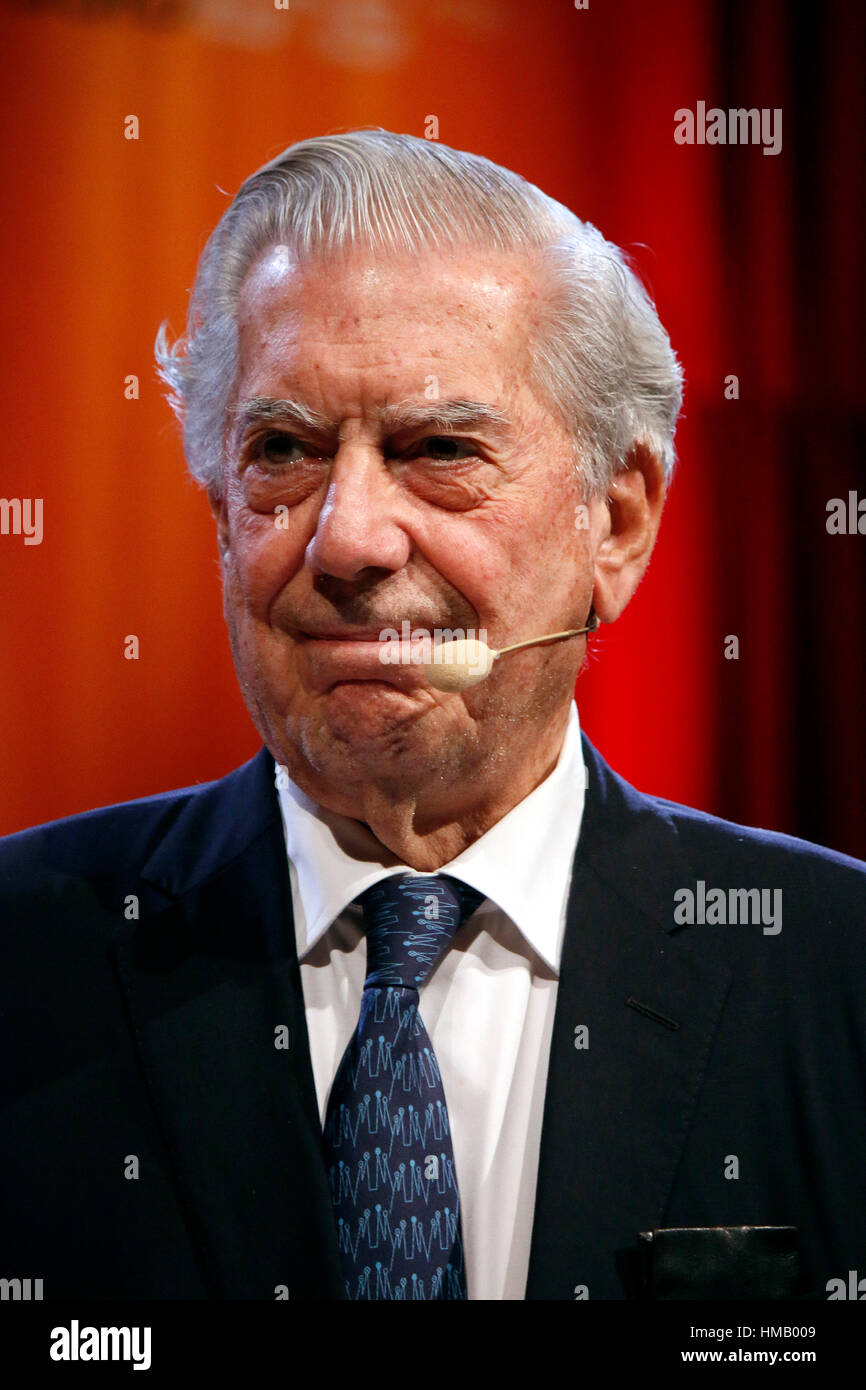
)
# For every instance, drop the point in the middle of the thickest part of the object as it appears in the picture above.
(343, 655)
(345, 635)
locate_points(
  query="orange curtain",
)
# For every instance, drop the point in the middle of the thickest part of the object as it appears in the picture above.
(100, 241)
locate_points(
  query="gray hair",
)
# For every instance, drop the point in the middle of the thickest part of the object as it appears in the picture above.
(602, 360)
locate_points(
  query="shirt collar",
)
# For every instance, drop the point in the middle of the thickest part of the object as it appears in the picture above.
(522, 863)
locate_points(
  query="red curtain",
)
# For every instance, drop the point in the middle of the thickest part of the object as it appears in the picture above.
(755, 261)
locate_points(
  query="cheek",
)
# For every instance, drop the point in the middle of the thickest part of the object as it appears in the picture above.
(562, 535)
(470, 556)
(537, 563)
(263, 557)
(496, 561)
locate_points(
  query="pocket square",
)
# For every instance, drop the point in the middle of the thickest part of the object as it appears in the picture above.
(720, 1262)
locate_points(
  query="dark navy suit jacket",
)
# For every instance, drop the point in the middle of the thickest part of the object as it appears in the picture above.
(152, 1037)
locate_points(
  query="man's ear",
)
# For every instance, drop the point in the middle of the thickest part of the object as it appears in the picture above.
(635, 500)
(217, 504)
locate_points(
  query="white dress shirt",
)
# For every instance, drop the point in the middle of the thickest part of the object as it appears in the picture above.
(488, 1006)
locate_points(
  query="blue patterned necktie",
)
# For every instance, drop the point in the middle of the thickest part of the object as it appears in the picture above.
(387, 1136)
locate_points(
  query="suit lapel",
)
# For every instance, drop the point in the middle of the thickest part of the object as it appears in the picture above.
(211, 974)
(617, 1111)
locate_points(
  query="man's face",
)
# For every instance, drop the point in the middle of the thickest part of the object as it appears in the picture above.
(361, 512)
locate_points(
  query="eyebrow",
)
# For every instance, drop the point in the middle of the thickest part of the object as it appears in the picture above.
(434, 416)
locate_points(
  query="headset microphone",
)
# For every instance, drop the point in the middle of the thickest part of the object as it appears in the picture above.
(458, 665)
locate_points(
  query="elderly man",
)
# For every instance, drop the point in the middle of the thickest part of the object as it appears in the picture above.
(425, 1002)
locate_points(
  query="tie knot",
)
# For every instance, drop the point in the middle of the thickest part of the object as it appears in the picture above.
(409, 920)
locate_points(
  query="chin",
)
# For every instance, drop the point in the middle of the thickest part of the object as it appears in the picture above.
(360, 723)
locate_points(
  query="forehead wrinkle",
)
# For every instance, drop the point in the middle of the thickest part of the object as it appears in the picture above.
(440, 415)
(283, 411)
(444, 415)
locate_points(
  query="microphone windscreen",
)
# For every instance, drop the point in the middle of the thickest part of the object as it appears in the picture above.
(458, 665)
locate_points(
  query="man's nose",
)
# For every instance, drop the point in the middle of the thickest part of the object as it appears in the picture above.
(358, 526)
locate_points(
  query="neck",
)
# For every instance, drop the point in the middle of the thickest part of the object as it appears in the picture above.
(430, 822)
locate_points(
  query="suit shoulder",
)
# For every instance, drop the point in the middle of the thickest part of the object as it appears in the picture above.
(818, 893)
(703, 835)
(666, 839)
(93, 842)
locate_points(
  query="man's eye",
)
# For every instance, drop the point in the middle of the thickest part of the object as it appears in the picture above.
(444, 448)
(281, 449)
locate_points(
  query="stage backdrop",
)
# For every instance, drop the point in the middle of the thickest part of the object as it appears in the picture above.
(755, 258)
